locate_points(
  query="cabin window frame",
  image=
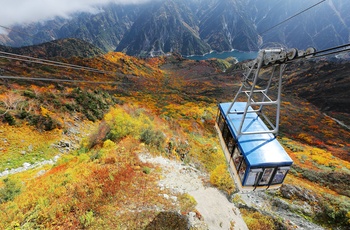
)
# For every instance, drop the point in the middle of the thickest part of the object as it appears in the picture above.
(229, 141)
(284, 168)
(242, 170)
(237, 158)
(257, 172)
(220, 120)
(266, 180)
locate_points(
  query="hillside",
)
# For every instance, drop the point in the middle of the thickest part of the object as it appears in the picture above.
(65, 48)
(324, 83)
(91, 140)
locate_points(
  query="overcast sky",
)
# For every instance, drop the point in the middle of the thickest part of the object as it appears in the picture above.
(14, 12)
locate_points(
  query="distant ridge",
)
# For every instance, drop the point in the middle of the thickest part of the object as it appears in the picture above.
(65, 48)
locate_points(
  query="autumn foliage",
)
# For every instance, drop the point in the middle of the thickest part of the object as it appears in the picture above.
(161, 106)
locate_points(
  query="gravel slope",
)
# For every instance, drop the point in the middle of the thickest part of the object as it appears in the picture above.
(216, 210)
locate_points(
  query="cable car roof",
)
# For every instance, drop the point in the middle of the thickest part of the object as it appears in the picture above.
(259, 150)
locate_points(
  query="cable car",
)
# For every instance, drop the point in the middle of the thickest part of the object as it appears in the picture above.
(256, 161)
(255, 158)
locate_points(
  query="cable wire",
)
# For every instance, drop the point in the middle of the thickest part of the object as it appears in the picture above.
(56, 65)
(291, 17)
(52, 63)
(60, 80)
(335, 52)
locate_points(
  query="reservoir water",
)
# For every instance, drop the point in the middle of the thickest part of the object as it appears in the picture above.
(239, 55)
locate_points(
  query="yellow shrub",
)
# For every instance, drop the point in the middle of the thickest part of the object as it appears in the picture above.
(221, 178)
(123, 124)
(120, 122)
(257, 221)
(45, 112)
(108, 144)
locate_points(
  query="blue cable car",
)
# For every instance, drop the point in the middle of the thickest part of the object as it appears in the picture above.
(255, 158)
(256, 161)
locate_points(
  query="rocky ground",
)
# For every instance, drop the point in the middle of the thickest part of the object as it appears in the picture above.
(278, 208)
(215, 209)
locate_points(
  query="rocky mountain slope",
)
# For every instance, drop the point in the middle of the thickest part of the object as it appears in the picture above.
(164, 27)
(196, 26)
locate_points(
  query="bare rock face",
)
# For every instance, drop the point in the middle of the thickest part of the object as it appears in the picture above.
(290, 191)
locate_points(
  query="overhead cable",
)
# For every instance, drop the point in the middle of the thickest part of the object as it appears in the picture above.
(52, 63)
(325, 52)
(60, 80)
(291, 17)
(331, 53)
(333, 48)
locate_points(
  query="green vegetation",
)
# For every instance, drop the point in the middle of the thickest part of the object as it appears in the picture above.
(11, 189)
(335, 211)
(257, 220)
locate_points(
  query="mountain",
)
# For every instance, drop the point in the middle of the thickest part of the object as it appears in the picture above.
(104, 29)
(186, 27)
(225, 26)
(165, 26)
(197, 26)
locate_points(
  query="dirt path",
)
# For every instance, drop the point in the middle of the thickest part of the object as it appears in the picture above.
(216, 210)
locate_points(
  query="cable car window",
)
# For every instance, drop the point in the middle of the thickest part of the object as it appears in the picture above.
(280, 175)
(224, 132)
(265, 179)
(230, 142)
(253, 176)
(237, 158)
(242, 170)
(221, 122)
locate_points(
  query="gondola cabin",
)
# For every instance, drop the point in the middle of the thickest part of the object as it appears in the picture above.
(256, 161)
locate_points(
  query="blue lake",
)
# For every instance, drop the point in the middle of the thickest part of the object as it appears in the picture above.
(239, 55)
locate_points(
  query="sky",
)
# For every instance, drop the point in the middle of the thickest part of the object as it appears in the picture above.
(14, 12)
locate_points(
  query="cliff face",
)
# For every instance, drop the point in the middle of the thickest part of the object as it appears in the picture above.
(165, 27)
